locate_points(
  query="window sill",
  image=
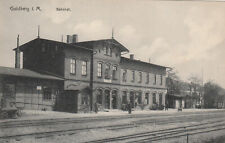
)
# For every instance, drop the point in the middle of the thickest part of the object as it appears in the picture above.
(47, 99)
(108, 55)
(106, 78)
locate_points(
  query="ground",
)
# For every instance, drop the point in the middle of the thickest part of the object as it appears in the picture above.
(114, 123)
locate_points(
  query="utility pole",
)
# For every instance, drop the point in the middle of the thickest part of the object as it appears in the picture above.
(91, 80)
(201, 98)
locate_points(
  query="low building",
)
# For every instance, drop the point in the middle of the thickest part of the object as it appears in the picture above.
(32, 90)
(182, 94)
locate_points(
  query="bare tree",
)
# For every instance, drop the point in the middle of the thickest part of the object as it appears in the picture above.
(173, 74)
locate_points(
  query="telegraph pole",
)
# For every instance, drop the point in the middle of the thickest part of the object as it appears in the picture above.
(201, 100)
(91, 80)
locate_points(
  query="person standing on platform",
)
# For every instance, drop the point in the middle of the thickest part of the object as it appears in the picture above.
(129, 108)
(96, 107)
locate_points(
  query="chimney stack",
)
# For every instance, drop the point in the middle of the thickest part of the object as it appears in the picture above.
(17, 54)
(131, 56)
(72, 39)
(75, 38)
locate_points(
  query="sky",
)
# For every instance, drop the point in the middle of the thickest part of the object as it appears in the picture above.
(188, 36)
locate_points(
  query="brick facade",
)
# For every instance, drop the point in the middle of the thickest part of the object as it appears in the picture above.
(109, 89)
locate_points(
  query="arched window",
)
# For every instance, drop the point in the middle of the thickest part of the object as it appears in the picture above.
(160, 98)
(154, 98)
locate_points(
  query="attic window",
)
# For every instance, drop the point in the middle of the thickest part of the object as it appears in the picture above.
(56, 48)
(43, 49)
(107, 50)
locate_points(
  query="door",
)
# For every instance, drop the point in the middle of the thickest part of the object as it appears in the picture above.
(107, 99)
(114, 99)
(132, 99)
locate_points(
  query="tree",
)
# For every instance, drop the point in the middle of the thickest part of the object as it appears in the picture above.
(172, 74)
(195, 83)
(211, 95)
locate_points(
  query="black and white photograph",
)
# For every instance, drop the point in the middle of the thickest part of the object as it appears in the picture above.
(115, 71)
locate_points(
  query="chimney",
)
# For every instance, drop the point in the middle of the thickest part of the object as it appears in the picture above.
(72, 39)
(75, 38)
(17, 54)
(131, 56)
(68, 39)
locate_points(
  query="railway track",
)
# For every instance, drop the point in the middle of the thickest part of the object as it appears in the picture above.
(26, 123)
(167, 133)
(109, 127)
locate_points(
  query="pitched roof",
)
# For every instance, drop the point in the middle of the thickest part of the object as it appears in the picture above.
(26, 73)
(51, 42)
(133, 61)
(110, 41)
(81, 45)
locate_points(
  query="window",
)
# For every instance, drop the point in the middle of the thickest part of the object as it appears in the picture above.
(84, 68)
(84, 99)
(140, 77)
(107, 70)
(155, 79)
(161, 79)
(47, 94)
(108, 51)
(99, 96)
(146, 98)
(43, 49)
(139, 98)
(133, 76)
(160, 98)
(114, 72)
(154, 98)
(124, 97)
(99, 69)
(72, 66)
(124, 75)
(147, 78)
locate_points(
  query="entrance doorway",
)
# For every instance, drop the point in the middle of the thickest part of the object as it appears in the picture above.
(107, 99)
(70, 101)
(114, 99)
(132, 99)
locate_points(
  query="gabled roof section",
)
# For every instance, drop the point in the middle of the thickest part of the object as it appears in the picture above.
(138, 65)
(110, 41)
(127, 60)
(26, 73)
(40, 40)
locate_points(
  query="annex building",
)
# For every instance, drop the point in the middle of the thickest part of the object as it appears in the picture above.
(74, 76)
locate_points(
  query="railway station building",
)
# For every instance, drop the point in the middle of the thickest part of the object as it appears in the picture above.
(82, 74)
